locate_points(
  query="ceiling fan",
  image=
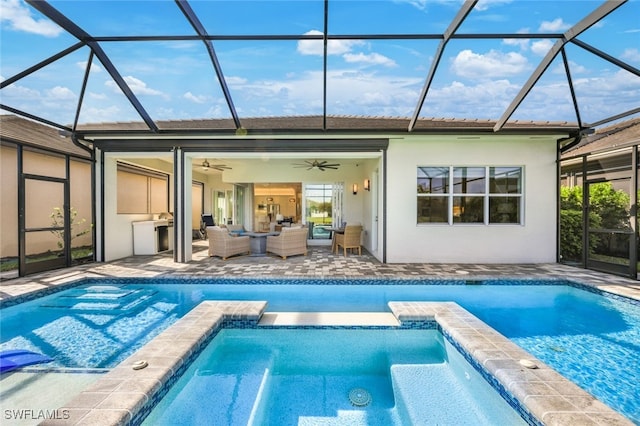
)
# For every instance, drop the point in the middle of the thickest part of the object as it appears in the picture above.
(220, 167)
(315, 164)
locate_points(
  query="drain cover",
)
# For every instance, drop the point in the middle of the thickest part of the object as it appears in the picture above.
(359, 397)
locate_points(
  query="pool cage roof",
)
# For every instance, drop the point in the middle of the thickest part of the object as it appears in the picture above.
(232, 67)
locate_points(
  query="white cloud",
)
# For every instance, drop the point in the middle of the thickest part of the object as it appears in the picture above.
(484, 100)
(557, 25)
(94, 67)
(97, 96)
(106, 114)
(522, 43)
(574, 67)
(138, 87)
(631, 54)
(607, 95)
(234, 80)
(490, 65)
(19, 18)
(487, 4)
(20, 92)
(541, 47)
(348, 92)
(61, 93)
(371, 58)
(195, 98)
(334, 47)
(418, 4)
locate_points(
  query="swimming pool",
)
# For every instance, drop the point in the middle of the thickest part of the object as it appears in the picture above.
(590, 339)
(319, 376)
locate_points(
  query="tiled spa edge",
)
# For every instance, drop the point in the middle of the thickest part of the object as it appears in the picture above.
(124, 396)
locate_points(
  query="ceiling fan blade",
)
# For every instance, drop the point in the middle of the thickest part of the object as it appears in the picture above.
(315, 164)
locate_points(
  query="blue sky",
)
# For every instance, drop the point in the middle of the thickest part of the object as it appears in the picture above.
(175, 79)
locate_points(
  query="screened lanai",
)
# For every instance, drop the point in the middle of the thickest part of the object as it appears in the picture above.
(153, 61)
(230, 82)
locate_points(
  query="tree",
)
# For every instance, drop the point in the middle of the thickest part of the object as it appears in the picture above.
(57, 221)
(608, 209)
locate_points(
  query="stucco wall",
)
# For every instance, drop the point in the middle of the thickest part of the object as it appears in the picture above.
(532, 242)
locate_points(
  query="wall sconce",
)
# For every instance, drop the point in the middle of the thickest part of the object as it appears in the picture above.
(367, 185)
(355, 188)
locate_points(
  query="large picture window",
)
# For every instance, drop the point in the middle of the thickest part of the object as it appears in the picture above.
(473, 195)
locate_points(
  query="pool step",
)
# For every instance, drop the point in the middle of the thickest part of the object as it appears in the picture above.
(421, 391)
(434, 394)
(104, 299)
(221, 389)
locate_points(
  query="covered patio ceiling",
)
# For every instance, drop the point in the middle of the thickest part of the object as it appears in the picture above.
(165, 67)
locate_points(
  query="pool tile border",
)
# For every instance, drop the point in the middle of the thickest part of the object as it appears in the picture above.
(125, 396)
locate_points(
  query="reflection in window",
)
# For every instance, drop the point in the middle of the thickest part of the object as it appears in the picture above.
(469, 180)
(433, 210)
(480, 195)
(468, 209)
(433, 180)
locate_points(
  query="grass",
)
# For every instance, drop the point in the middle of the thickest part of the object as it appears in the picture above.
(77, 254)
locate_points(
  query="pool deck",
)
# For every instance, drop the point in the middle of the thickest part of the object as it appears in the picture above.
(121, 394)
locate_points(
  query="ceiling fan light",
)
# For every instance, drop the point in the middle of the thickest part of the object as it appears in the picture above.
(205, 165)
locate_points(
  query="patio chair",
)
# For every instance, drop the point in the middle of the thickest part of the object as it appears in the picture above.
(350, 239)
(206, 221)
(222, 244)
(291, 241)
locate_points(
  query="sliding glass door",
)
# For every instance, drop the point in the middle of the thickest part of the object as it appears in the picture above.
(322, 202)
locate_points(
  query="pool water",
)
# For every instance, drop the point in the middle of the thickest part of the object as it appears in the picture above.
(590, 339)
(305, 377)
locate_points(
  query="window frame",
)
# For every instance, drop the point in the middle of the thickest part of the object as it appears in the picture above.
(455, 179)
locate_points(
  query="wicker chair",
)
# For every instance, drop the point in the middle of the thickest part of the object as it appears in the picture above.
(350, 239)
(291, 241)
(224, 245)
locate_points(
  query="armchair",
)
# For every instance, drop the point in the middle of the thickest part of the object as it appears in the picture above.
(224, 245)
(291, 241)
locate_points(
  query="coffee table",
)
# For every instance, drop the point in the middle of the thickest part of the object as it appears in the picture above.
(258, 242)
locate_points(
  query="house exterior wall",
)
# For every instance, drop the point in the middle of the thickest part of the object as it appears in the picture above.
(533, 241)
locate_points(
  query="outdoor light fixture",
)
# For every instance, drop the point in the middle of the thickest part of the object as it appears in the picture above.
(367, 185)
(205, 165)
(355, 188)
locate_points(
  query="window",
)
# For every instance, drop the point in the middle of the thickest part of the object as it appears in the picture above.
(142, 191)
(480, 195)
